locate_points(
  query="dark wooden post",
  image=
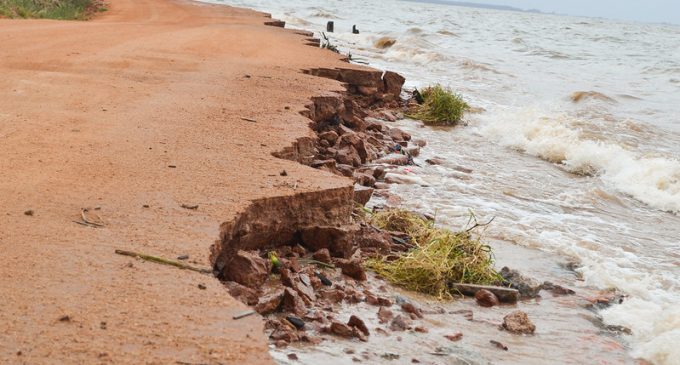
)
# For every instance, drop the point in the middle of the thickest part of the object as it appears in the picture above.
(354, 29)
(329, 27)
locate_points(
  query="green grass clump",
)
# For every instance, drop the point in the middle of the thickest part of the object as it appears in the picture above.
(441, 257)
(440, 106)
(50, 9)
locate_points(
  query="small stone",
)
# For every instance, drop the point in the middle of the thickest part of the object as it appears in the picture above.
(454, 337)
(518, 322)
(243, 293)
(29, 213)
(341, 329)
(421, 329)
(385, 315)
(65, 318)
(202, 286)
(322, 255)
(399, 323)
(359, 324)
(292, 302)
(410, 308)
(499, 345)
(295, 321)
(183, 257)
(283, 173)
(486, 298)
(352, 268)
(527, 287)
(292, 357)
(269, 304)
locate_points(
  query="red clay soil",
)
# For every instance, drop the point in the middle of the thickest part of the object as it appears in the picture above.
(93, 114)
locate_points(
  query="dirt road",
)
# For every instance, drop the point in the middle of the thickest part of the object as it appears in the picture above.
(140, 107)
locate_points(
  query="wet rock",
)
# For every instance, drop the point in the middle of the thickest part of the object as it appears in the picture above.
(393, 83)
(324, 280)
(420, 142)
(454, 337)
(333, 295)
(413, 151)
(399, 135)
(296, 322)
(394, 159)
(399, 323)
(330, 164)
(345, 170)
(270, 303)
(356, 322)
(292, 356)
(527, 287)
(341, 329)
(362, 194)
(385, 315)
(364, 179)
(388, 116)
(378, 300)
(518, 322)
(557, 290)
(486, 298)
(348, 156)
(412, 309)
(292, 303)
(284, 334)
(421, 329)
(371, 237)
(435, 161)
(352, 268)
(247, 268)
(322, 255)
(338, 240)
(242, 293)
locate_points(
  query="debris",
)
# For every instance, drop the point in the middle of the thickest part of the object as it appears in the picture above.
(385, 315)
(183, 257)
(29, 213)
(283, 173)
(324, 279)
(65, 318)
(527, 287)
(359, 324)
(504, 295)
(518, 322)
(244, 314)
(454, 337)
(399, 323)
(188, 206)
(249, 120)
(295, 321)
(292, 357)
(163, 261)
(202, 286)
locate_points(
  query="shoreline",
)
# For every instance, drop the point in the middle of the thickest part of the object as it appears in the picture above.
(312, 195)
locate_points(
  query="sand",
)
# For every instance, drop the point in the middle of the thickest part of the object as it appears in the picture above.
(92, 115)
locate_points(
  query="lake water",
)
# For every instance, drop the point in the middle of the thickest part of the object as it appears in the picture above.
(575, 154)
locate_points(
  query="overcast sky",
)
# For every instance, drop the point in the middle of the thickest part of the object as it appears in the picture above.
(643, 10)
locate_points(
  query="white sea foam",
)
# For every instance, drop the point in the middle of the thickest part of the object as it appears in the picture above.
(652, 180)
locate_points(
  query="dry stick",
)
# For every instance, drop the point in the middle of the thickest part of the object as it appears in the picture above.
(318, 263)
(244, 314)
(82, 215)
(249, 120)
(160, 260)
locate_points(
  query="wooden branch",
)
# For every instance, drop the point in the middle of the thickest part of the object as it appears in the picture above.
(162, 261)
(505, 295)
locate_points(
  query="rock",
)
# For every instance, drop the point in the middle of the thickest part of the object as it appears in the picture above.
(292, 356)
(499, 345)
(410, 308)
(296, 322)
(370, 237)
(399, 135)
(324, 280)
(270, 303)
(454, 337)
(333, 295)
(362, 194)
(338, 240)
(352, 268)
(435, 161)
(396, 159)
(322, 255)
(388, 116)
(364, 179)
(557, 290)
(345, 170)
(527, 287)
(393, 83)
(247, 268)
(420, 142)
(379, 172)
(413, 151)
(285, 334)
(356, 322)
(341, 329)
(518, 322)
(348, 156)
(486, 298)
(399, 323)
(393, 178)
(244, 294)
(292, 303)
(330, 136)
(385, 315)
(330, 163)
(421, 329)
(504, 295)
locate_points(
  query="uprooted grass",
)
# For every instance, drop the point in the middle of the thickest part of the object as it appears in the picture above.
(50, 9)
(440, 106)
(441, 257)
